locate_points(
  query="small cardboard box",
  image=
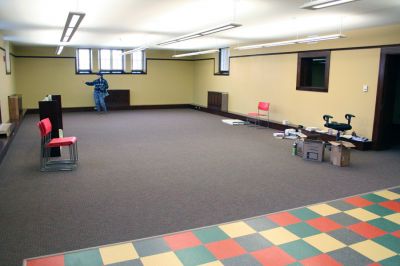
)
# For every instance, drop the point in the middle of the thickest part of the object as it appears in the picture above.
(340, 153)
(313, 150)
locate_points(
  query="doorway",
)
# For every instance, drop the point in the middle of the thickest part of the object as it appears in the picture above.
(386, 133)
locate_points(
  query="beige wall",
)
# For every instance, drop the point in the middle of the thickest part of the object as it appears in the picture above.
(166, 82)
(273, 78)
(7, 83)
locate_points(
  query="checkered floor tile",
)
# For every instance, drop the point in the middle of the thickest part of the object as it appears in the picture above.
(359, 230)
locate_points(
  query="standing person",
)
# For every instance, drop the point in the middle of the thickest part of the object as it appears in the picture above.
(100, 92)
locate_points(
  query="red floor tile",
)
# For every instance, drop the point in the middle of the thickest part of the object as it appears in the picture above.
(273, 256)
(283, 218)
(225, 249)
(319, 260)
(391, 205)
(48, 261)
(366, 230)
(396, 233)
(358, 201)
(182, 240)
(324, 224)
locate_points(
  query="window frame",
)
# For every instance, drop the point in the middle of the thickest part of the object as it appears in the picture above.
(318, 54)
(144, 64)
(220, 71)
(84, 71)
(112, 70)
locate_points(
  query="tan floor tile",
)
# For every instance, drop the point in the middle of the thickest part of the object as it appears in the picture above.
(279, 235)
(162, 259)
(372, 250)
(395, 217)
(118, 253)
(324, 209)
(237, 229)
(362, 215)
(388, 194)
(324, 242)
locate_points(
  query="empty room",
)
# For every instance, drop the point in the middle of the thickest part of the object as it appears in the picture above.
(199, 132)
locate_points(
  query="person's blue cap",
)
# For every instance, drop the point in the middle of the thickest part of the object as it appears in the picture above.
(99, 74)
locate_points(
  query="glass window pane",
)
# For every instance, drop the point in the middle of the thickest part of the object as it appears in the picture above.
(83, 59)
(224, 60)
(105, 59)
(138, 61)
(117, 59)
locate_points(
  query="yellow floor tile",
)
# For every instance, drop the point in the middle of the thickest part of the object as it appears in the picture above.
(388, 194)
(324, 209)
(214, 263)
(237, 229)
(395, 217)
(118, 253)
(324, 242)
(279, 235)
(362, 215)
(163, 259)
(373, 250)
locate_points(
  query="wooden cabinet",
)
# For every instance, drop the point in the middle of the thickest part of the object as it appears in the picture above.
(15, 107)
(118, 99)
(217, 101)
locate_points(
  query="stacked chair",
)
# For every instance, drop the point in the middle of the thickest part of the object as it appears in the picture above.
(47, 143)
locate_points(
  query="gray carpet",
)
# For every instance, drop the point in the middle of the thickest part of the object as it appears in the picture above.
(150, 172)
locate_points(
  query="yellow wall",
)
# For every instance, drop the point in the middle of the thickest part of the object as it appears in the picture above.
(273, 78)
(7, 83)
(166, 82)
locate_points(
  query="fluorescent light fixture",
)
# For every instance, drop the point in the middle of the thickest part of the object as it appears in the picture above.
(313, 39)
(318, 4)
(196, 53)
(134, 50)
(59, 50)
(320, 38)
(71, 25)
(201, 33)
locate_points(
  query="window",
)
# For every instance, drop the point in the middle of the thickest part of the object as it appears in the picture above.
(313, 71)
(224, 61)
(84, 60)
(139, 62)
(111, 60)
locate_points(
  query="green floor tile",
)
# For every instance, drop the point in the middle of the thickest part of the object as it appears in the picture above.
(385, 225)
(374, 198)
(393, 261)
(195, 256)
(90, 257)
(379, 210)
(210, 234)
(305, 214)
(389, 241)
(302, 230)
(300, 249)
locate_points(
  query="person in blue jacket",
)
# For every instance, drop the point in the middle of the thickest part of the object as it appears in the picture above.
(100, 92)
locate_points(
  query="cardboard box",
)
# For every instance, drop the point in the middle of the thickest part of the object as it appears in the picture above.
(340, 153)
(313, 150)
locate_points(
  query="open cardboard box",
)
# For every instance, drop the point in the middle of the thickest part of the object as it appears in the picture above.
(340, 152)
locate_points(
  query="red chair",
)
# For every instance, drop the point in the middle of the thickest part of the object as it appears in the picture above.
(262, 112)
(47, 143)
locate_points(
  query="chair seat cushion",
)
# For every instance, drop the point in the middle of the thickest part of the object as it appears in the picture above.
(57, 142)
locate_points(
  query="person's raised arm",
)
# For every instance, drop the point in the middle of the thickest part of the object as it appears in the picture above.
(89, 83)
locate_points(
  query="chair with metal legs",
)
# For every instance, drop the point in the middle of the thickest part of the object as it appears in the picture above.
(47, 143)
(262, 112)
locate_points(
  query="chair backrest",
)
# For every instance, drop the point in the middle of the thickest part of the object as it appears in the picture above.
(40, 126)
(264, 106)
(45, 126)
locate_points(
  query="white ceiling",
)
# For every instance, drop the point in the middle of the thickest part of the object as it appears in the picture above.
(133, 23)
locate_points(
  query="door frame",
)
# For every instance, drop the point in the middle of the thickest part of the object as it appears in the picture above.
(377, 138)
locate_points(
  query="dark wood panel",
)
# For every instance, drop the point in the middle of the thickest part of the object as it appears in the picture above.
(118, 99)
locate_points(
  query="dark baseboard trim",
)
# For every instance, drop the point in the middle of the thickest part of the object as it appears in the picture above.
(114, 108)
(6, 142)
(363, 146)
